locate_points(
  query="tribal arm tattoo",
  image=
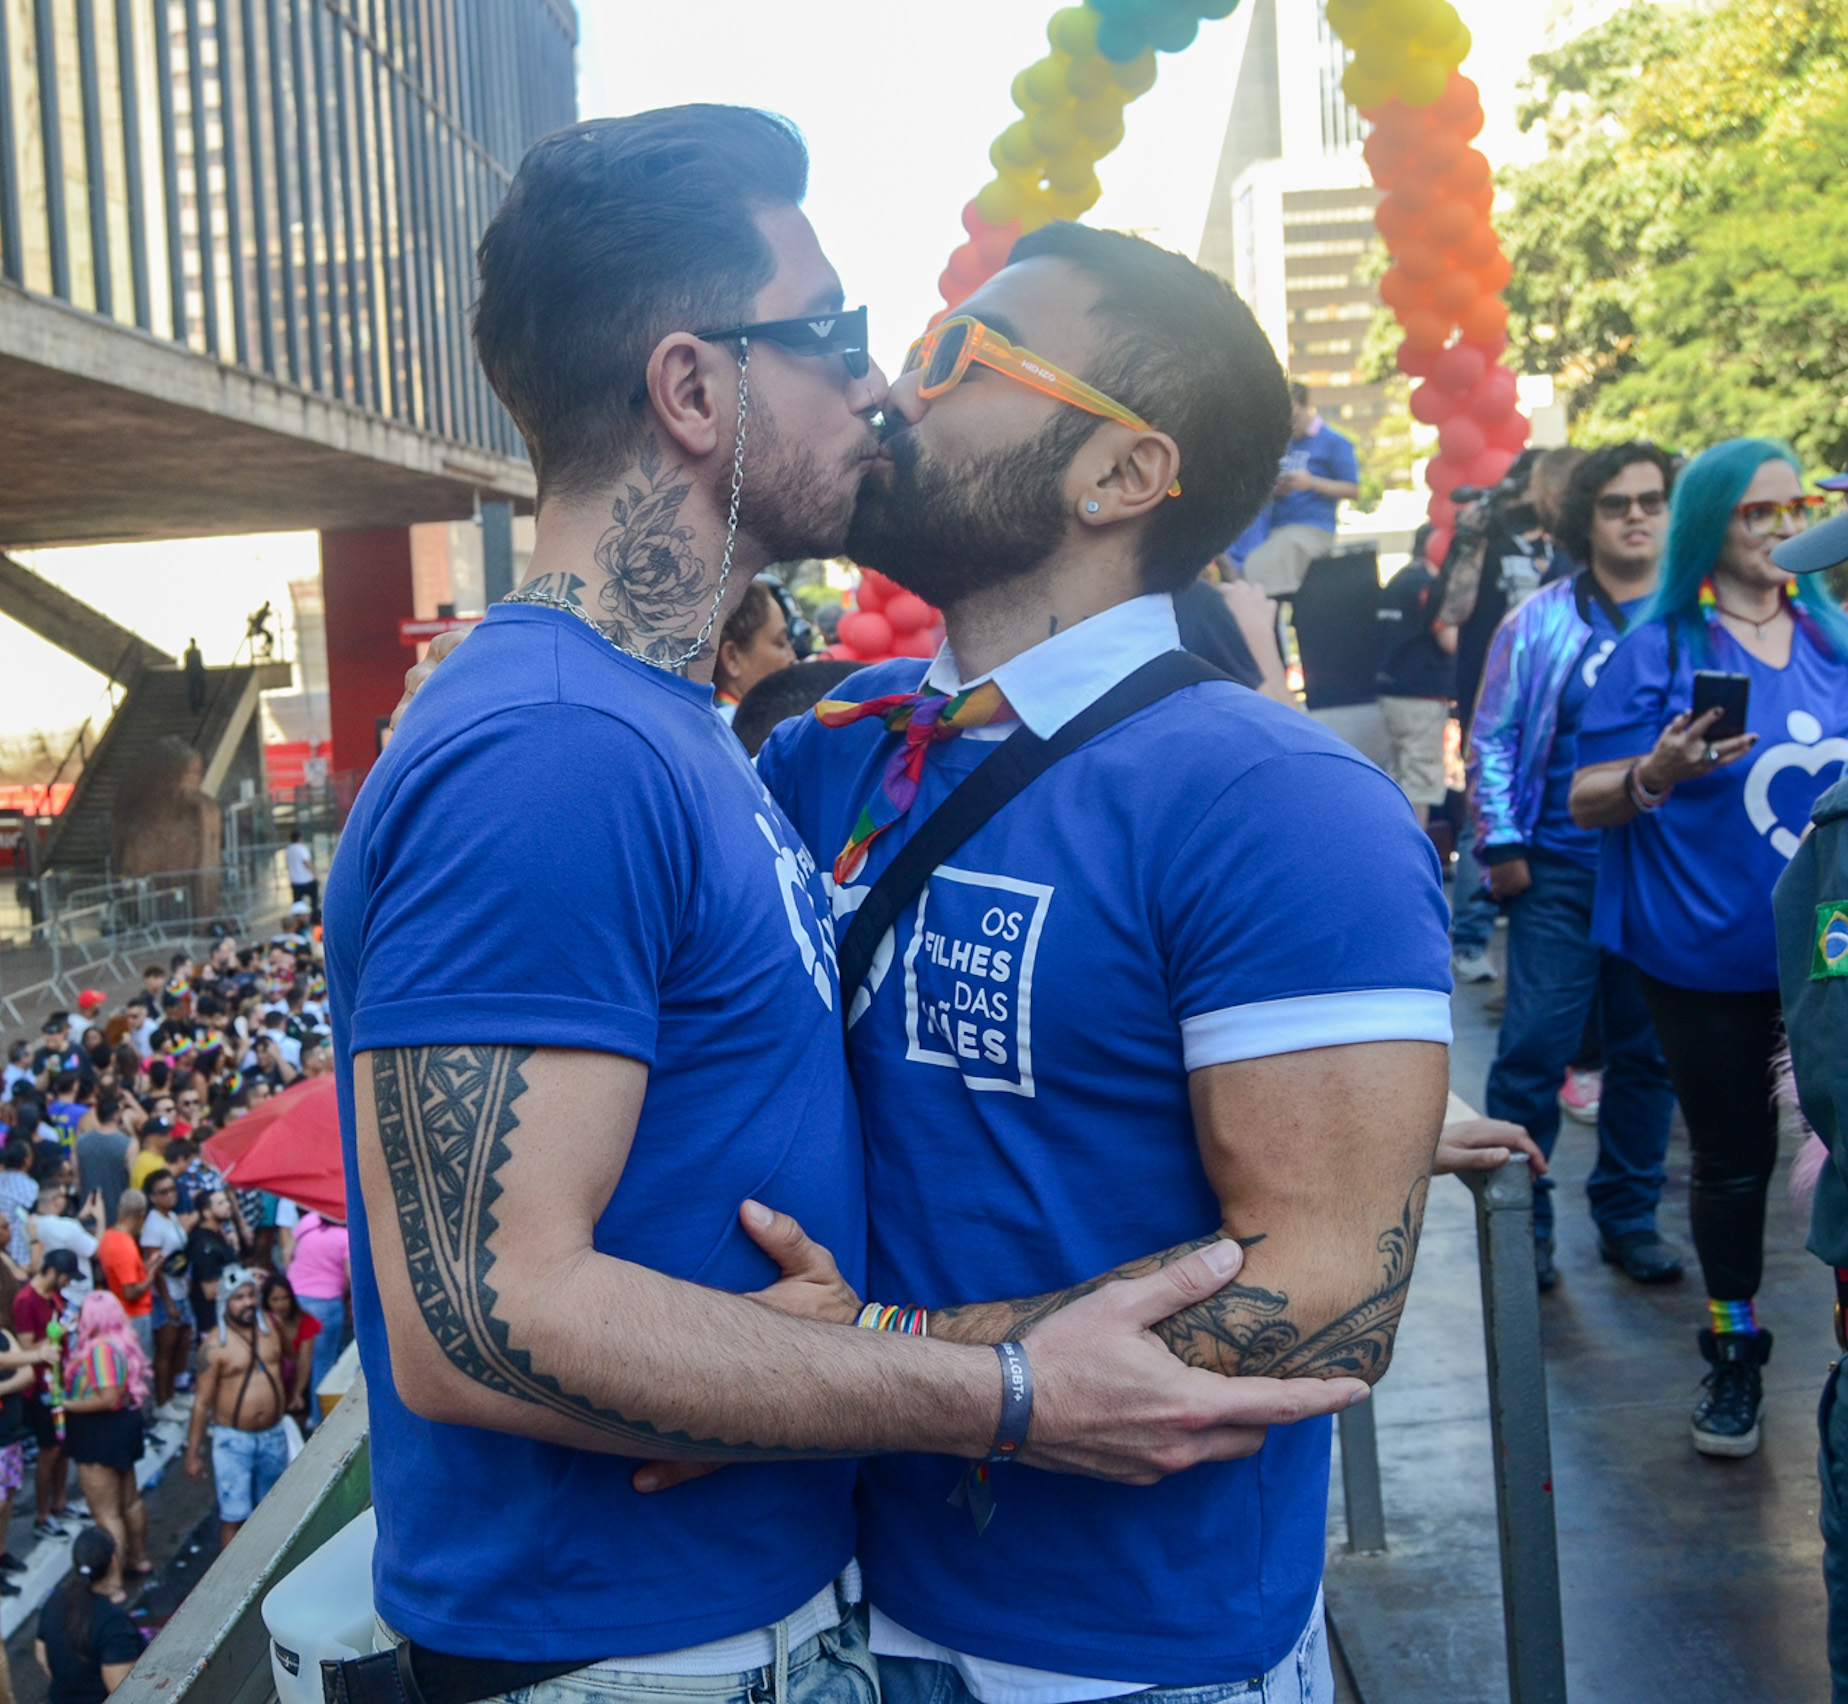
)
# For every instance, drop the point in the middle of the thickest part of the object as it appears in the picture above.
(655, 592)
(445, 1115)
(1246, 1328)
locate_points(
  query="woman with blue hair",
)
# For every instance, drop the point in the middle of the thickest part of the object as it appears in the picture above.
(1695, 839)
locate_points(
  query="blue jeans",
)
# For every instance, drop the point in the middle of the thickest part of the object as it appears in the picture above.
(1302, 1677)
(1473, 909)
(331, 1312)
(1555, 974)
(246, 1465)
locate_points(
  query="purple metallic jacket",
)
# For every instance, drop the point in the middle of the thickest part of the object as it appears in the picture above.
(1517, 712)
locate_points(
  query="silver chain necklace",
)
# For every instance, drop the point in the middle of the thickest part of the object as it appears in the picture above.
(725, 565)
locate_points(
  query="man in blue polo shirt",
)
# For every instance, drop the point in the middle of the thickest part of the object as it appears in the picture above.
(1318, 471)
(1192, 981)
(565, 1060)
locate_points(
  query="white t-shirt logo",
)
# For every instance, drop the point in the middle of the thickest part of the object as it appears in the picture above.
(1595, 661)
(1807, 750)
(792, 873)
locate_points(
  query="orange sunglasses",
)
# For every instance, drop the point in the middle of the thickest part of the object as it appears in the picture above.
(945, 353)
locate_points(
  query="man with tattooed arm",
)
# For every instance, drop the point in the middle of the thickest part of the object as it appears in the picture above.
(551, 1267)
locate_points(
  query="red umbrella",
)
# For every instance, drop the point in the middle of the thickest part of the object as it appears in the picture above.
(290, 1146)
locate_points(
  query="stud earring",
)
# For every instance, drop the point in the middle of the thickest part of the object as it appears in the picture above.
(1091, 507)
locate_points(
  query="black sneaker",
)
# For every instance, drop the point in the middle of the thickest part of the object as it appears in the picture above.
(48, 1529)
(8, 1589)
(1726, 1420)
(11, 1564)
(1545, 1272)
(1646, 1256)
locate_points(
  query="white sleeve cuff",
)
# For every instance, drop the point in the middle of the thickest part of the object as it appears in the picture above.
(1314, 1020)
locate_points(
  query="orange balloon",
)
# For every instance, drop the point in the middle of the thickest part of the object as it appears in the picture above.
(1419, 261)
(993, 243)
(1403, 293)
(1426, 329)
(1487, 319)
(1480, 246)
(1448, 222)
(1399, 125)
(1496, 276)
(966, 266)
(1455, 293)
(1394, 220)
(1415, 193)
(1470, 174)
(1483, 199)
(1440, 152)
(1460, 99)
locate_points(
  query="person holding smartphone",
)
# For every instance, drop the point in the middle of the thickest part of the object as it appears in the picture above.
(1696, 838)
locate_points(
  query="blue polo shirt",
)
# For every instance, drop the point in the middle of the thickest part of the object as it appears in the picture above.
(1217, 878)
(1326, 454)
(562, 847)
(1684, 892)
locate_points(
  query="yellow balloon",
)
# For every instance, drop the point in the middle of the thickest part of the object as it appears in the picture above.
(1045, 79)
(1023, 96)
(1347, 18)
(1138, 76)
(1000, 201)
(1070, 174)
(1101, 114)
(1015, 147)
(1363, 91)
(1076, 204)
(1088, 75)
(1421, 82)
(1074, 29)
(1381, 57)
(1404, 17)
(1054, 129)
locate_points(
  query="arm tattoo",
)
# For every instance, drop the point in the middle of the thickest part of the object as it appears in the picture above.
(445, 1114)
(1465, 576)
(656, 582)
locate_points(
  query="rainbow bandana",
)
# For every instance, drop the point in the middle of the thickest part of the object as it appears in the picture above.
(923, 718)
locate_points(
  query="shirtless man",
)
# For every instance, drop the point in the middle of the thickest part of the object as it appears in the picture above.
(241, 1390)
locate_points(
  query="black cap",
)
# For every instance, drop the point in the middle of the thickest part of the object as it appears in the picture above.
(1815, 548)
(61, 1260)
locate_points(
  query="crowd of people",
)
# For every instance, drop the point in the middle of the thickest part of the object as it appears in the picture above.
(132, 1272)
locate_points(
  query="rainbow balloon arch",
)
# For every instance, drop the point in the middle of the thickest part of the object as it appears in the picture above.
(1448, 270)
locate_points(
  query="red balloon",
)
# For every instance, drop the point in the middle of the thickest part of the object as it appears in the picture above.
(1510, 433)
(1455, 293)
(1461, 437)
(1419, 261)
(922, 643)
(908, 613)
(1492, 397)
(873, 590)
(1415, 363)
(1441, 512)
(1459, 367)
(1433, 405)
(1489, 467)
(1425, 329)
(1437, 546)
(1492, 347)
(1487, 318)
(1394, 220)
(1444, 475)
(869, 634)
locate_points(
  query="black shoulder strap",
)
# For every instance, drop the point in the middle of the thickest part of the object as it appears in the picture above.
(1587, 587)
(1023, 755)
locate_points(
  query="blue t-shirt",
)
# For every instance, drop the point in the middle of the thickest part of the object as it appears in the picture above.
(562, 847)
(1685, 892)
(1327, 455)
(1555, 831)
(1215, 878)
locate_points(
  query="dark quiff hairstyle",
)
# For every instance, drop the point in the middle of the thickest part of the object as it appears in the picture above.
(616, 233)
(1590, 477)
(1186, 354)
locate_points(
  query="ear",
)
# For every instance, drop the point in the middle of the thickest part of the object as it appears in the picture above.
(1130, 479)
(692, 398)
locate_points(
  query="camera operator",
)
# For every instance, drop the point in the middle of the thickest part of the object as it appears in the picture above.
(1695, 841)
(1543, 662)
(1500, 555)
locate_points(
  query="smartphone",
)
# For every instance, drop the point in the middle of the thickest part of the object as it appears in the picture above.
(1730, 693)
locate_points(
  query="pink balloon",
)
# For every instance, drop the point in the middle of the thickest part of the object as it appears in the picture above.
(1437, 546)
(869, 634)
(918, 643)
(1444, 475)
(1458, 367)
(1511, 433)
(1493, 396)
(1489, 467)
(1461, 437)
(1434, 405)
(1416, 363)
(908, 613)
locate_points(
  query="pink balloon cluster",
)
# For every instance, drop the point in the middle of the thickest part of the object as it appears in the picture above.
(886, 621)
(1471, 400)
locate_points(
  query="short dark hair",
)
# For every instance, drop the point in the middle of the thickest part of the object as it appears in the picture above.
(1299, 394)
(788, 692)
(107, 1107)
(750, 615)
(1590, 477)
(615, 233)
(15, 1156)
(1187, 355)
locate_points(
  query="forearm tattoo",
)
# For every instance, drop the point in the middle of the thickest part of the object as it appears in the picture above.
(445, 1115)
(656, 591)
(1246, 1328)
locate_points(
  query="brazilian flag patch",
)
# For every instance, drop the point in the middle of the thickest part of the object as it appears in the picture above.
(1831, 957)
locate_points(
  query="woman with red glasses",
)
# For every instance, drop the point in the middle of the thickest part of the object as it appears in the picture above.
(1698, 827)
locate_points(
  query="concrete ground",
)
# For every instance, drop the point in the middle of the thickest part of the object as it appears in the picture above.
(1683, 1579)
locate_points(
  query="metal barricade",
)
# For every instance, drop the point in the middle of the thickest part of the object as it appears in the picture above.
(1522, 1443)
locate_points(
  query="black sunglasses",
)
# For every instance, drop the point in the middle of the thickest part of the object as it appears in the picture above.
(842, 334)
(1614, 508)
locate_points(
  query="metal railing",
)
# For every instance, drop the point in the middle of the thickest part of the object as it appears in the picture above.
(1522, 1442)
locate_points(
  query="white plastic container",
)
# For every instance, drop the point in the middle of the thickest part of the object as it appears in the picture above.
(322, 1611)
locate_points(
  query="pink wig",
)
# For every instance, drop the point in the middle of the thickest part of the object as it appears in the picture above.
(103, 1321)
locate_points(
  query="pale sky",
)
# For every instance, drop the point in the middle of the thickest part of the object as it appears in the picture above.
(899, 103)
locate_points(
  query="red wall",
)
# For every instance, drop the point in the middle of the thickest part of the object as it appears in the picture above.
(366, 588)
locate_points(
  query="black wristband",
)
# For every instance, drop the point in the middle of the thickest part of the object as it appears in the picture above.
(1016, 1401)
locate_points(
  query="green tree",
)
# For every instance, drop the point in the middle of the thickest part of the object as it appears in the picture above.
(1681, 254)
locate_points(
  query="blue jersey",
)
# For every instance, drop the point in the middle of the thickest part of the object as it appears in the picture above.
(1326, 454)
(1684, 892)
(562, 847)
(1216, 878)
(1554, 830)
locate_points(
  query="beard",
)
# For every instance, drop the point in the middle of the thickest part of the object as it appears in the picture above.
(789, 504)
(945, 529)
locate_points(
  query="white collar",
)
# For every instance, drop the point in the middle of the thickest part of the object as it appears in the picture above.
(1050, 683)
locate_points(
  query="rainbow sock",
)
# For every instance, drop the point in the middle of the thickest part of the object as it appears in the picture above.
(1733, 1316)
